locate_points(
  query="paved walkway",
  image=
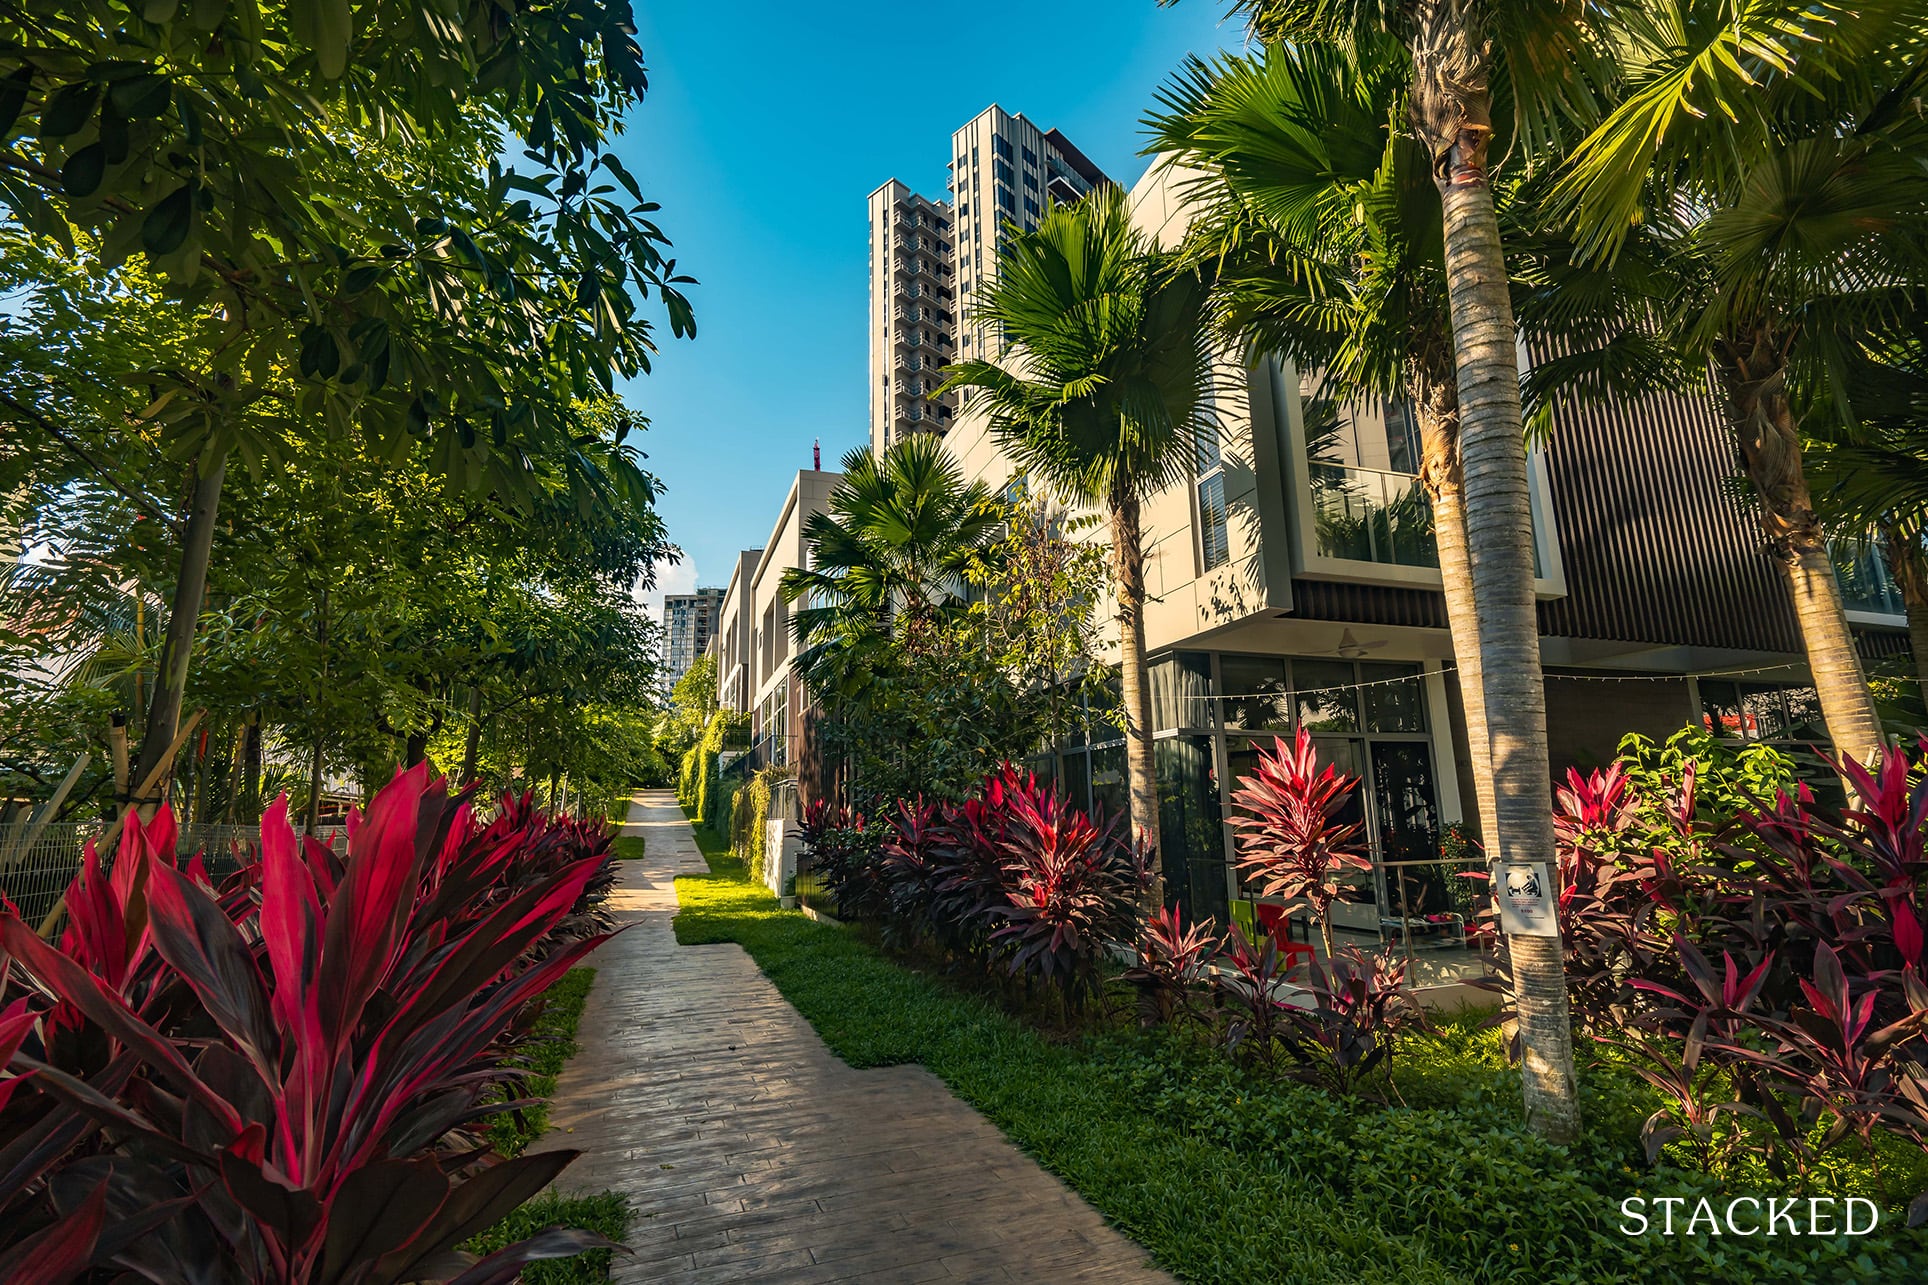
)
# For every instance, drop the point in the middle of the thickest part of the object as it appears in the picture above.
(750, 1152)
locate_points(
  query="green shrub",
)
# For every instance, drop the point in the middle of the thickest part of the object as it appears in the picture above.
(749, 811)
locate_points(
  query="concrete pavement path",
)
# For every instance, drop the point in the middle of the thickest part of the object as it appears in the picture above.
(750, 1152)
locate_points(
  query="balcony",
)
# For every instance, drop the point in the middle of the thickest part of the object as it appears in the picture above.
(1371, 515)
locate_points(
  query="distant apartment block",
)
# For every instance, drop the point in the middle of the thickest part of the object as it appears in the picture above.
(926, 256)
(913, 314)
(1004, 172)
(689, 619)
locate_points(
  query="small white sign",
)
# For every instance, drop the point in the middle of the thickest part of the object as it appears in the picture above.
(1524, 893)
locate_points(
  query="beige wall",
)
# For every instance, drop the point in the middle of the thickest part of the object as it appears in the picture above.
(770, 646)
(733, 637)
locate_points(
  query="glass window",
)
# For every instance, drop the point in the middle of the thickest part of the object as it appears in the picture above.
(1110, 791)
(1402, 437)
(1261, 683)
(1393, 706)
(1181, 689)
(1763, 713)
(1002, 173)
(1000, 145)
(1720, 708)
(1190, 825)
(1030, 157)
(1214, 527)
(1804, 715)
(1327, 702)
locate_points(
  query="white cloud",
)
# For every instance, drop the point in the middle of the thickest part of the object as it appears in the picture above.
(677, 578)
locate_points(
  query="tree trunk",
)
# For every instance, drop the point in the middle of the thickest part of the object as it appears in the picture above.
(184, 614)
(472, 747)
(1909, 567)
(1452, 109)
(314, 763)
(1128, 570)
(1754, 369)
(251, 763)
(1438, 411)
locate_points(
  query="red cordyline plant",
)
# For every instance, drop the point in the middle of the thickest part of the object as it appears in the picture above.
(1073, 885)
(1174, 963)
(1810, 1030)
(1291, 842)
(276, 1083)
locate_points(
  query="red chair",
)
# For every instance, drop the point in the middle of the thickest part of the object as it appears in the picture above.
(1275, 922)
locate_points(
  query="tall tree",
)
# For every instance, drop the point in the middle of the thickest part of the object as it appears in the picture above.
(1774, 150)
(323, 190)
(1459, 53)
(1101, 391)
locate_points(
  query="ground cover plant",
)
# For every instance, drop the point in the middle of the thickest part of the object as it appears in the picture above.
(1224, 1174)
(285, 1077)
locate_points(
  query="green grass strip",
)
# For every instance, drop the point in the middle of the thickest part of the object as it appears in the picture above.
(551, 1044)
(1236, 1175)
(607, 1213)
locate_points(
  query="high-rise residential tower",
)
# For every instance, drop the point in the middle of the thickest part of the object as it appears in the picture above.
(913, 314)
(1004, 172)
(689, 619)
(927, 256)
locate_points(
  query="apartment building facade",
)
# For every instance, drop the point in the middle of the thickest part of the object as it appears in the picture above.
(689, 620)
(734, 642)
(927, 255)
(913, 314)
(1293, 584)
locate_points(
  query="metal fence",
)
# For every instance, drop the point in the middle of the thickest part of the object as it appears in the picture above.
(35, 876)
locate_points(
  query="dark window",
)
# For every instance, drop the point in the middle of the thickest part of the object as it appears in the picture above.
(1002, 172)
(1031, 180)
(1002, 146)
(1030, 157)
(1004, 201)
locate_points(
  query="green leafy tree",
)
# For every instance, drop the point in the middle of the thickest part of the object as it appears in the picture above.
(1774, 152)
(322, 187)
(1101, 392)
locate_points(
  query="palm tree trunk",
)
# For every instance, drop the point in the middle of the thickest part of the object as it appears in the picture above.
(1909, 567)
(184, 615)
(1128, 569)
(1440, 474)
(1754, 368)
(1452, 109)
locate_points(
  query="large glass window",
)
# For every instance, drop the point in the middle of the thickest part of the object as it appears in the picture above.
(1328, 699)
(1181, 688)
(1190, 824)
(1256, 692)
(1760, 711)
(1214, 535)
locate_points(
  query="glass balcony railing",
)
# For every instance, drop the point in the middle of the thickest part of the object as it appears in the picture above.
(1371, 515)
(1866, 583)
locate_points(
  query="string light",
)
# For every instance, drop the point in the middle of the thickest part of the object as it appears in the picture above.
(1448, 667)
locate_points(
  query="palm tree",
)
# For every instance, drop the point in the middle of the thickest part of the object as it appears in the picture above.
(1319, 228)
(1101, 391)
(1774, 152)
(1330, 226)
(890, 561)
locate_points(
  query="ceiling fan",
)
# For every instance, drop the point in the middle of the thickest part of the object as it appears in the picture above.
(1352, 649)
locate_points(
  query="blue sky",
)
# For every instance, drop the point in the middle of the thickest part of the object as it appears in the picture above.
(765, 127)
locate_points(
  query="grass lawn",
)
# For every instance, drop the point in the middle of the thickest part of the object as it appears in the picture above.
(554, 1043)
(1231, 1175)
(628, 848)
(607, 1213)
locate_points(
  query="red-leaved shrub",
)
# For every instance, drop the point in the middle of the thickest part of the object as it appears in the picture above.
(278, 1080)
